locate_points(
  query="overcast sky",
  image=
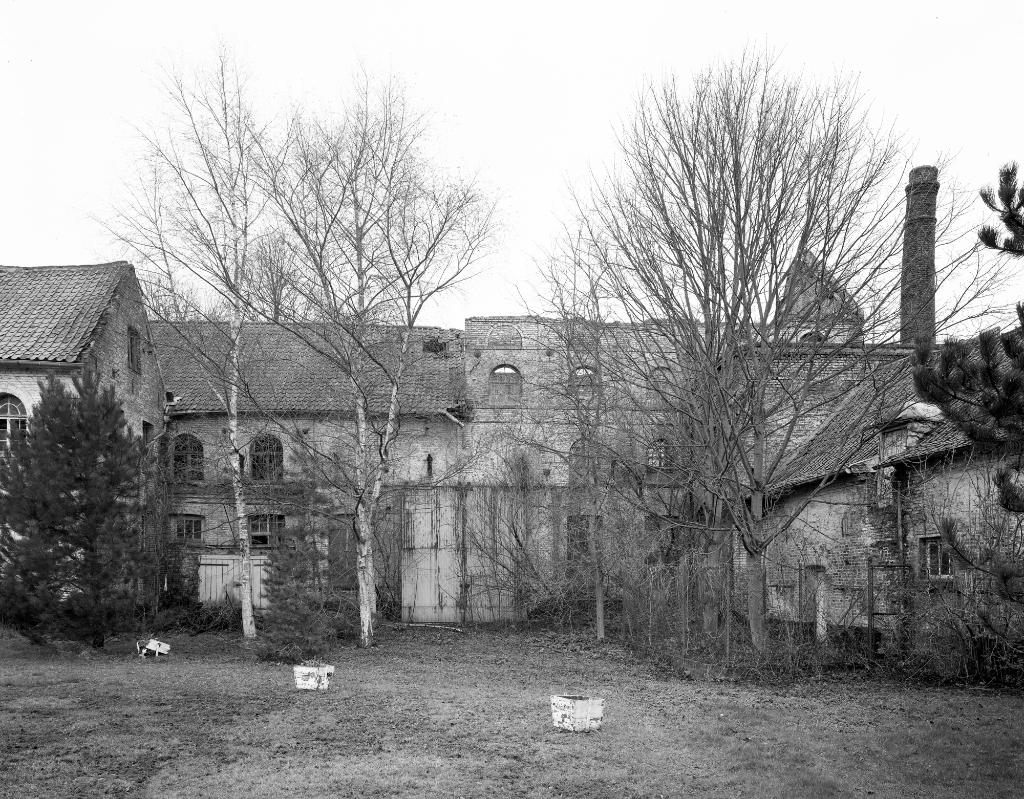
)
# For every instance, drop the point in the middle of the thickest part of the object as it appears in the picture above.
(525, 95)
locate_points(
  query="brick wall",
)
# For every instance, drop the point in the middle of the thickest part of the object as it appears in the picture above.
(141, 392)
(838, 530)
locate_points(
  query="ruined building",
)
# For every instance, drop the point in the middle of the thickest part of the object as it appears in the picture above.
(486, 465)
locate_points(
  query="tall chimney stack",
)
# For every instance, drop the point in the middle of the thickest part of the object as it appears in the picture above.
(917, 286)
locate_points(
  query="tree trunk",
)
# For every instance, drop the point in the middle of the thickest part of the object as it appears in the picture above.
(241, 519)
(595, 553)
(755, 600)
(367, 580)
(365, 574)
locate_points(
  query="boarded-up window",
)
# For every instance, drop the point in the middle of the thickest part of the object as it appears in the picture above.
(506, 386)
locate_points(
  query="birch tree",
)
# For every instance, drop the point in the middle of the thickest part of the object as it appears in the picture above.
(377, 234)
(195, 225)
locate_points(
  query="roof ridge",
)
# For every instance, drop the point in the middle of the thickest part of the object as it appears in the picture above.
(60, 267)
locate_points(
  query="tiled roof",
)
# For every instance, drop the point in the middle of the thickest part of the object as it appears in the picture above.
(848, 437)
(49, 313)
(285, 372)
(944, 437)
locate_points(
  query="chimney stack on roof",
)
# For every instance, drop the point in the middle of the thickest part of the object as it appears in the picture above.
(917, 285)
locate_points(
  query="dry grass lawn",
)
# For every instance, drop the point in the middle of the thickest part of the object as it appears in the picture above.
(435, 713)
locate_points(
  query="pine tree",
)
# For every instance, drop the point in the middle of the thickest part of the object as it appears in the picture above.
(1008, 202)
(70, 521)
(979, 383)
(306, 613)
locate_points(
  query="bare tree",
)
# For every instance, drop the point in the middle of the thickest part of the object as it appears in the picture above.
(376, 235)
(751, 240)
(195, 224)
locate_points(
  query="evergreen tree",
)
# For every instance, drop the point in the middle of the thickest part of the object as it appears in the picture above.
(1008, 202)
(306, 613)
(70, 522)
(979, 383)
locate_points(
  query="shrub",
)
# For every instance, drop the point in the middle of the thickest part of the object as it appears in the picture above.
(308, 612)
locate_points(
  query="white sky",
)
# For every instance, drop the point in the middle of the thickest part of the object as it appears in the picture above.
(526, 95)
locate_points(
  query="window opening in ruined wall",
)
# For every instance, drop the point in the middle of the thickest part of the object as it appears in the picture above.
(12, 417)
(134, 350)
(187, 527)
(934, 558)
(187, 459)
(265, 530)
(267, 458)
(506, 385)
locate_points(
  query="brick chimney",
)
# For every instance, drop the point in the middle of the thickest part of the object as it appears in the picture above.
(917, 286)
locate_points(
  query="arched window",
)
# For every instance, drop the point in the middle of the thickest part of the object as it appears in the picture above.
(584, 384)
(267, 458)
(187, 459)
(506, 387)
(12, 417)
(504, 337)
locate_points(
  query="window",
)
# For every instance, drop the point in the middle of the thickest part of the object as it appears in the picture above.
(433, 345)
(187, 459)
(341, 552)
(935, 558)
(187, 527)
(430, 466)
(504, 337)
(584, 384)
(506, 387)
(12, 417)
(657, 454)
(134, 350)
(267, 458)
(147, 433)
(265, 530)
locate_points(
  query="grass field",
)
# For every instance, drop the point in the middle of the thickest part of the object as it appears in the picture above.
(437, 713)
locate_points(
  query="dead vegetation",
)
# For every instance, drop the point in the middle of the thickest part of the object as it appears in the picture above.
(430, 712)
